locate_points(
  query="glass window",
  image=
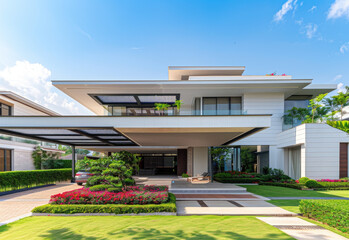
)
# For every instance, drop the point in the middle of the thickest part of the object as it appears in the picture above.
(223, 106)
(5, 160)
(235, 105)
(8, 160)
(210, 106)
(5, 110)
(197, 106)
(2, 160)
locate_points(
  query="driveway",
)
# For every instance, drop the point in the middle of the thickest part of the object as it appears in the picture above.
(17, 205)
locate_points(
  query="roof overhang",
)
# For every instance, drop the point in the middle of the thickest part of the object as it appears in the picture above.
(316, 89)
(149, 131)
(81, 91)
(27, 102)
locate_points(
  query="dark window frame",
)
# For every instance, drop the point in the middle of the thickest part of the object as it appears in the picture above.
(216, 99)
(7, 151)
(9, 108)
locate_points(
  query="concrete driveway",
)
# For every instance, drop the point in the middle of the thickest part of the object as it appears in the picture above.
(18, 205)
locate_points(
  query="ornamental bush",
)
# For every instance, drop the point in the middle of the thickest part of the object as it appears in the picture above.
(237, 180)
(115, 172)
(133, 195)
(23, 179)
(312, 184)
(303, 180)
(335, 213)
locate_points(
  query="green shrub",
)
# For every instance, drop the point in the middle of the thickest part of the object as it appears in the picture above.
(237, 180)
(279, 184)
(312, 184)
(109, 208)
(335, 213)
(56, 164)
(331, 185)
(185, 175)
(24, 179)
(303, 180)
(101, 187)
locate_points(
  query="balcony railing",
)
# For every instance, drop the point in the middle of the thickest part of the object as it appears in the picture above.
(153, 112)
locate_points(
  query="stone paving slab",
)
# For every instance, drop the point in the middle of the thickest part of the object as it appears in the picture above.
(223, 204)
(19, 204)
(255, 204)
(301, 229)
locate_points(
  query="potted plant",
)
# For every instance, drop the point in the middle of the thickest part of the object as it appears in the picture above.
(178, 104)
(161, 107)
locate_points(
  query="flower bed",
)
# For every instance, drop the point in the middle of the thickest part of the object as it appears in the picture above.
(169, 206)
(132, 195)
(335, 213)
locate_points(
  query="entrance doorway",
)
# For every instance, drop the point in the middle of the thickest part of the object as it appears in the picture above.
(157, 164)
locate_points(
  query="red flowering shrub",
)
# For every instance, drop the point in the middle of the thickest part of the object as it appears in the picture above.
(131, 195)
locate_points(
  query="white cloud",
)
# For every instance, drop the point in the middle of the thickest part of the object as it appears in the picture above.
(32, 80)
(344, 47)
(340, 87)
(312, 9)
(340, 8)
(286, 7)
(310, 30)
(337, 77)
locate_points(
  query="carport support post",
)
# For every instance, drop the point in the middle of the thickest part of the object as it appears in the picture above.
(210, 164)
(73, 159)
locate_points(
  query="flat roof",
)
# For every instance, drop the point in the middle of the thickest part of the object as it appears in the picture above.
(183, 72)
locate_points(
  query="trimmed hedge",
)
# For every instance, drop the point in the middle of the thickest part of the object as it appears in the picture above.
(335, 213)
(237, 180)
(24, 179)
(109, 208)
(278, 184)
(331, 185)
(57, 164)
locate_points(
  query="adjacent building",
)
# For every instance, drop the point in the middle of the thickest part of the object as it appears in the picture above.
(15, 152)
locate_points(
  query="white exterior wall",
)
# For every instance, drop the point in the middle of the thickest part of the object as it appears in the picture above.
(21, 154)
(319, 148)
(200, 160)
(20, 109)
(264, 103)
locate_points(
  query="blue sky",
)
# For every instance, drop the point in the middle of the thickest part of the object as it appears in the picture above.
(45, 40)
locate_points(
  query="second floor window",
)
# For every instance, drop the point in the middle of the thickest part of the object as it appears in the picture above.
(222, 105)
(5, 110)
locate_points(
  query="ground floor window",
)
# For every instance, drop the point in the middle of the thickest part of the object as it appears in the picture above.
(5, 160)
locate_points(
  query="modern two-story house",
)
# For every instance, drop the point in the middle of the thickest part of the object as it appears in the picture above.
(220, 107)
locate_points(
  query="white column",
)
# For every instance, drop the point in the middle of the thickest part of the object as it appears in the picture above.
(200, 160)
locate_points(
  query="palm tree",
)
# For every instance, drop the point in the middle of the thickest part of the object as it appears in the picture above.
(341, 100)
(321, 113)
(333, 108)
(314, 104)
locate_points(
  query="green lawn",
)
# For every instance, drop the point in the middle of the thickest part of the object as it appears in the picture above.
(289, 205)
(273, 191)
(141, 227)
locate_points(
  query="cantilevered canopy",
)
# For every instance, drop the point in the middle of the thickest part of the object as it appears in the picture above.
(72, 135)
(108, 132)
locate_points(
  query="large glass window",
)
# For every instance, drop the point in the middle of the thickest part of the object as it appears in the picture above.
(296, 101)
(5, 110)
(222, 105)
(5, 160)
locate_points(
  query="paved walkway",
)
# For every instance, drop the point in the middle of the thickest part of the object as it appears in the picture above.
(301, 229)
(17, 205)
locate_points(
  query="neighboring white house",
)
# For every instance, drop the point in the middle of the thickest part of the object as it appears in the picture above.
(15, 153)
(220, 107)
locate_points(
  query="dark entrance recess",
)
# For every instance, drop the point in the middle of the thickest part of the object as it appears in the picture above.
(343, 160)
(158, 164)
(181, 161)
